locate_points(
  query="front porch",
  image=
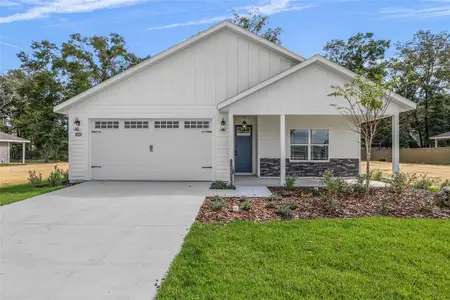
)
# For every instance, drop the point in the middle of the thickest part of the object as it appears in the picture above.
(264, 149)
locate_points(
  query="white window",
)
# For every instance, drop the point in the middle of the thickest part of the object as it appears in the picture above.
(310, 144)
(136, 124)
(167, 124)
(196, 124)
(106, 124)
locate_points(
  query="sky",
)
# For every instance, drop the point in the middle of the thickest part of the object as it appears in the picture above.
(151, 26)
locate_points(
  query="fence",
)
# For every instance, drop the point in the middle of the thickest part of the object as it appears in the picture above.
(413, 155)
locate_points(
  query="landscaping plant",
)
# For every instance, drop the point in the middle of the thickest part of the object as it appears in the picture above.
(424, 183)
(284, 211)
(222, 185)
(290, 181)
(247, 205)
(401, 182)
(56, 177)
(35, 179)
(217, 203)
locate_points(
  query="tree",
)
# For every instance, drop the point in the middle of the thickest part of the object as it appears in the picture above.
(427, 58)
(366, 105)
(87, 61)
(257, 23)
(361, 54)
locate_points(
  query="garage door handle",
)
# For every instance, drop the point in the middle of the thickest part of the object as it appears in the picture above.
(207, 167)
(96, 167)
(150, 148)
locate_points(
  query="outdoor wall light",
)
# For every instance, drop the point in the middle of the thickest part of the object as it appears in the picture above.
(223, 125)
(244, 123)
(76, 124)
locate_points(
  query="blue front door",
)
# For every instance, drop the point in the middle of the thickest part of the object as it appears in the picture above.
(243, 149)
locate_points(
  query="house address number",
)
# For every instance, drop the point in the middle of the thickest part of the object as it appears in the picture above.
(78, 134)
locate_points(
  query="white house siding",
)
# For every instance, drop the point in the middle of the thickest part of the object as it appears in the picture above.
(4, 152)
(304, 92)
(187, 84)
(344, 143)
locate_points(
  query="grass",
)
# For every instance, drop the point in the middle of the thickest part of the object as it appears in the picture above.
(14, 193)
(368, 258)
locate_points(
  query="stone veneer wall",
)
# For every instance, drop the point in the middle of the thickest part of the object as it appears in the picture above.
(342, 167)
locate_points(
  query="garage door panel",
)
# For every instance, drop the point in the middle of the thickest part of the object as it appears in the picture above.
(151, 153)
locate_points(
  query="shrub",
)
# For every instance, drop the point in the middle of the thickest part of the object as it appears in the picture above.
(270, 204)
(56, 177)
(335, 187)
(34, 179)
(290, 181)
(247, 205)
(359, 187)
(400, 182)
(434, 189)
(423, 183)
(275, 197)
(284, 211)
(217, 203)
(445, 183)
(222, 185)
(377, 175)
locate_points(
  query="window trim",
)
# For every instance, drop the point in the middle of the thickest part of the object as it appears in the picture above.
(309, 145)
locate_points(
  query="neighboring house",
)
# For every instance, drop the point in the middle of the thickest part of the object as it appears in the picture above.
(440, 137)
(5, 147)
(223, 94)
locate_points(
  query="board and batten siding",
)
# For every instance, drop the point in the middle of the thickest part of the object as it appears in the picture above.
(189, 84)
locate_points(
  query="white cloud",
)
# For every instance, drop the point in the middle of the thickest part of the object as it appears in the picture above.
(269, 7)
(8, 3)
(428, 9)
(42, 8)
(9, 45)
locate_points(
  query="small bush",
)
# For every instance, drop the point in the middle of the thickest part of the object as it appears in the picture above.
(217, 203)
(247, 205)
(400, 182)
(222, 185)
(335, 187)
(359, 187)
(34, 179)
(56, 177)
(284, 211)
(290, 181)
(434, 189)
(377, 175)
(270, 204)
(445, 183)
(423, 183)
(275, 197)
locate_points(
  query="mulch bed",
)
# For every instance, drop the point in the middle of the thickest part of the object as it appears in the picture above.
(310, 204)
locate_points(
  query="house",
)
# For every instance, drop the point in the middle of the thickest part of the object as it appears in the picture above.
(440, 137)
(224, 97)
(5, 147)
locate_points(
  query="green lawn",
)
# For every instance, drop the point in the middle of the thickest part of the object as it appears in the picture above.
(13, 193)
(368, 258)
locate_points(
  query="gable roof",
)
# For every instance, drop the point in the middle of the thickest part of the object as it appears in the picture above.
(315, 59)
(175, 49)
(4, 137)
(442, 136)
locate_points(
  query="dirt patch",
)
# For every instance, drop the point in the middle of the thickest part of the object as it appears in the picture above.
(437, 172)
(310, 204)
(17, 174)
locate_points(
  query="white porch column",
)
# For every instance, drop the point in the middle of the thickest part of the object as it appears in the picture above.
(435, 143)
(282, 149)
(23, 153)
(395, 144)
(231, 142)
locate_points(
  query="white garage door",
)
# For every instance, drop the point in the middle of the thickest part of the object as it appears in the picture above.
(151, 150)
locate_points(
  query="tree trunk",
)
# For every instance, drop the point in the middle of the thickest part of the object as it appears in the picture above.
(368, 154)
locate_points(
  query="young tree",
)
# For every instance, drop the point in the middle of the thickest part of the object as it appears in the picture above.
(366, 105)
(256, 23)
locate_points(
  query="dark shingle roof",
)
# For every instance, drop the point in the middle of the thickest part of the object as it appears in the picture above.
(445, 135)
(4, 137)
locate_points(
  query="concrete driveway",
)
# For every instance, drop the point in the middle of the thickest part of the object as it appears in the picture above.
(96, 240)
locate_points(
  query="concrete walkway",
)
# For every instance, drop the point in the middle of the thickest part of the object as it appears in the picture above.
(97, 240)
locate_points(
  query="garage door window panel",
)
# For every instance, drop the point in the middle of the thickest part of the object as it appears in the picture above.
(136, 124)
(196, 124)
(167, 124)
(106, 124)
